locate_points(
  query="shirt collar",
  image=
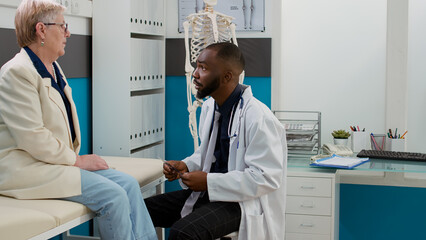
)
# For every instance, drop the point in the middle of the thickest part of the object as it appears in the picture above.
(226, 107)
(38, 64)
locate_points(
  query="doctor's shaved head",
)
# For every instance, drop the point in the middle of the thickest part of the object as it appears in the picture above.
(230, 54)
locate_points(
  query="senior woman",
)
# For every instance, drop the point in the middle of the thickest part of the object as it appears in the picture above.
(40, 134)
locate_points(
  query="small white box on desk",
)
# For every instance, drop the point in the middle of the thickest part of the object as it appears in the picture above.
(395, 144)
(359, 141)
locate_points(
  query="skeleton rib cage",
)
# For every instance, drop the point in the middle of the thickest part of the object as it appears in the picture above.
(203, 31)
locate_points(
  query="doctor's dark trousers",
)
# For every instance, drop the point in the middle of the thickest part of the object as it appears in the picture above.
(208, 220)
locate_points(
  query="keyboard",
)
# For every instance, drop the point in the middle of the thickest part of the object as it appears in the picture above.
(403, 156)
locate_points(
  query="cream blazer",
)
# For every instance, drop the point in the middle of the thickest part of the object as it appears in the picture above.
(36, 148)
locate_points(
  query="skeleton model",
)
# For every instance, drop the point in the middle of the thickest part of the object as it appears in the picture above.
(208, 27)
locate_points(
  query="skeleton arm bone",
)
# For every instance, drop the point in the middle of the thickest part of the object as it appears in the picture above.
(234, 40)
(188, 67)
(192, 106)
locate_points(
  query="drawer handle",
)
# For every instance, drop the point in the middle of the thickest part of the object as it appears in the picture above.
(307, 187)
(307, 206)
(307, 225)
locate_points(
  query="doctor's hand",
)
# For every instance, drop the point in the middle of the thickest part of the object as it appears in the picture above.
(196, 181)
(91, 162)
(174, 169)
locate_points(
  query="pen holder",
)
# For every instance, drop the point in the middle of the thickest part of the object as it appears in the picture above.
(396, 145)
(378, 142)
(359, 141)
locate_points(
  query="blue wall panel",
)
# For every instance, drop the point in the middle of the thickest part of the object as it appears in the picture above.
(82, 95)
(381, 212)
(179, 143)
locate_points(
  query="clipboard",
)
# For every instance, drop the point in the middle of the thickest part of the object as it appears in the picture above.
(336, 161)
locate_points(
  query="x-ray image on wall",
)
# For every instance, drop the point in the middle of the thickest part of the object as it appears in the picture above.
(249, 15)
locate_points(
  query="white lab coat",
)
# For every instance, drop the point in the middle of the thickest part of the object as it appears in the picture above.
(257, 168)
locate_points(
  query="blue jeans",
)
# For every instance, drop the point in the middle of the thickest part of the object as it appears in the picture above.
(116, 199)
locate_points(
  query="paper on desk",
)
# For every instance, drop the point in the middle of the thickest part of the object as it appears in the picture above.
(337, 161)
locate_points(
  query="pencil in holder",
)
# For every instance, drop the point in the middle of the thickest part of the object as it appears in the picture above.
(377, 141)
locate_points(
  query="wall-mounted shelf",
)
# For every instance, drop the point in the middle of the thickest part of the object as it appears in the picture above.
(128, 78)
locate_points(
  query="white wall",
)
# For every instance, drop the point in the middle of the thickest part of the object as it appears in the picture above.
(396, 69)
(332, 56)
(334, 61)
(416, 88)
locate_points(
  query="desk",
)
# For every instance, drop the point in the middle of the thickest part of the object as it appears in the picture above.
(359, 199)
(374, 165)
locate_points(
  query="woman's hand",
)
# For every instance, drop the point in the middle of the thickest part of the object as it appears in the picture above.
(91, 162)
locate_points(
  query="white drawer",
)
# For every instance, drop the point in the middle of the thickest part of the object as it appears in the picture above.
(302, 236)
(300, 186)
(308, 205)
(307, 224)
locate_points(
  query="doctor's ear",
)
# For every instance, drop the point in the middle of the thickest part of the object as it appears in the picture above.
(228, 76)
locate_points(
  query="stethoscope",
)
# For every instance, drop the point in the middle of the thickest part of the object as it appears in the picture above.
(241, 101)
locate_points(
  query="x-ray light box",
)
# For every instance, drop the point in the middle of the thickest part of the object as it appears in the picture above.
(249, 15)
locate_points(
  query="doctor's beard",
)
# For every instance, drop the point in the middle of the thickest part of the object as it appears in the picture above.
(209, 88)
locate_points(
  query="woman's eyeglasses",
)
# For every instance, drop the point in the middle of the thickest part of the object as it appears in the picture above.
(60, 24)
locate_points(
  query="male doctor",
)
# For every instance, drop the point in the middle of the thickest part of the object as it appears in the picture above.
(236, 179)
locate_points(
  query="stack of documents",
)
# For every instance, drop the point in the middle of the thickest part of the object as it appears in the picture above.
(337, 161)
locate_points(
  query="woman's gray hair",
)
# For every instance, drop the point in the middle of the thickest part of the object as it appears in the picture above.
(31, 12)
